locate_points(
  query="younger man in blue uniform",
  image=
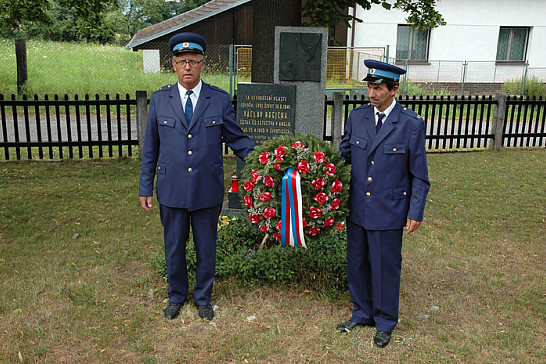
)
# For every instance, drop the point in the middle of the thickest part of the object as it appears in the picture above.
(187, 124)
(385, 143)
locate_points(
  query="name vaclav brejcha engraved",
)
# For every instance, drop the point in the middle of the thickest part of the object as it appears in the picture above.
(266, 111)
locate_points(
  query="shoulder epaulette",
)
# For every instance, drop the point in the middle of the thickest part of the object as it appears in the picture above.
(215, 88)
(364, 106)
(411, 113)
(164, 88)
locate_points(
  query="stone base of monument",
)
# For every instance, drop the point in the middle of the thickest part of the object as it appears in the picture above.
(232, 207)
(234, 200)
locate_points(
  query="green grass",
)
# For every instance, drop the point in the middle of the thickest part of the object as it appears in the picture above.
(77, 284)
(79, 68)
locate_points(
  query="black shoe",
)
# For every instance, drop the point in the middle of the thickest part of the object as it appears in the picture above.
(206, 312)
(382, 338)
(173, 310)
(348, 326)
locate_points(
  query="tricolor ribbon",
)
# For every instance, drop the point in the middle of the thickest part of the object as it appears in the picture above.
(291, 214)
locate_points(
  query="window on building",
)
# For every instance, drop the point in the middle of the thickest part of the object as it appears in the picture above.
(412, 44)
(512, 44)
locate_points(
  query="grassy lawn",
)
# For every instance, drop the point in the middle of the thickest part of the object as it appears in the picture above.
(77, 285)
(86, 68)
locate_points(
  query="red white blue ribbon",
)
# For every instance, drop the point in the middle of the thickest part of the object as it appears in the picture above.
(291, 212)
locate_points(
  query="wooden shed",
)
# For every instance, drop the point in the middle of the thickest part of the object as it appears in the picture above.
(220, 22)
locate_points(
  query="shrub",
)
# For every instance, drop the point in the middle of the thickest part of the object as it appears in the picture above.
(322, 266)
(533, 87)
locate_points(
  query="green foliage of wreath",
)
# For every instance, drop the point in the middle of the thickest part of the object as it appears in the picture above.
(324, 185)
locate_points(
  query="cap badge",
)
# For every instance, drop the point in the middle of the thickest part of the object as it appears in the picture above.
(372, 71)
(185, 44)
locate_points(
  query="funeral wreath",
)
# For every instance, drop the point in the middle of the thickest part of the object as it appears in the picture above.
(322, 178)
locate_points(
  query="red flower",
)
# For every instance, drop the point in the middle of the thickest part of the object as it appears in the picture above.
(335, 204)
(268, 181)
(264, 157)
(340, 226)
(318, 183)
(254, 218)
(280, 152)
(298, 145)
(305, 223)
(278, 226)
(314, 212)
(254, 175)
(277, 236)
(248, 201)
(303, 166)
(321, 198)
(248, 186)
(329, 169)
(269, 212)
(277, 166)
(329, 221)
(264, 197)
(263, 228)
(319, 157)
(314, 231)
(337, 186)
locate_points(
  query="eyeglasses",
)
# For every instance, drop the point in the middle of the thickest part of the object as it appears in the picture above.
(183, 63)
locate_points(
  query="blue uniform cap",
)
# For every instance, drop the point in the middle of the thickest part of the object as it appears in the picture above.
(381, 72)
(187, 42)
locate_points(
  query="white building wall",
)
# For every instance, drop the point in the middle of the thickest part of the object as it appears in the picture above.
(471, 34)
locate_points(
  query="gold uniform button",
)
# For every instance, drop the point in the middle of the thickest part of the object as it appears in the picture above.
(394, 149)
(358, 142)
(405, 194)
(370, 179)
(373, 163)
(165, 122)
(214, 122)
(190, 152)
(368, 194)
(190, 136)
(189, 169)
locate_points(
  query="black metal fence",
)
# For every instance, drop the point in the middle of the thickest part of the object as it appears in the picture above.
(468, 123)
(61, 128)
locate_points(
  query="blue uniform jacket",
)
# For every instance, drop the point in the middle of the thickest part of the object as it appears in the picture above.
(189, 158)
(389, 176)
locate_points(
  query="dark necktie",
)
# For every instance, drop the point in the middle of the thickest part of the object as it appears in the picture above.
(380, 117)
(189, 107)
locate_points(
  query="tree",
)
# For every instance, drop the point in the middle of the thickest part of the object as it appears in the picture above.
(140, 14)
(321, 13)
(422, 14)
(15, 14)
(266, 15)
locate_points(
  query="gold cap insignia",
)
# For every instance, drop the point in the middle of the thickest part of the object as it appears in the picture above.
(185, 44)
(372, 71)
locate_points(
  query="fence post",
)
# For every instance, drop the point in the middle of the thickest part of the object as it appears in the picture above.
(21, 59)
(498, 121)
(524, 78)
(141, 117)
(465, 64)
(337, 119)
(231, 73)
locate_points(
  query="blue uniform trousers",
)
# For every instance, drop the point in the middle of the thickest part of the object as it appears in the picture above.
(176, 229)
(374, 261)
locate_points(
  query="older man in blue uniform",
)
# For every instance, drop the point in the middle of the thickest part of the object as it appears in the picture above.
(187, 124)
(385, 143)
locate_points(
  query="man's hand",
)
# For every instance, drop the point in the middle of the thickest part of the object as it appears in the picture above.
(146, 202)
(411, 225)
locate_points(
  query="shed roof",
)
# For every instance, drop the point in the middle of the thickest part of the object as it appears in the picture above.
(183, 20)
